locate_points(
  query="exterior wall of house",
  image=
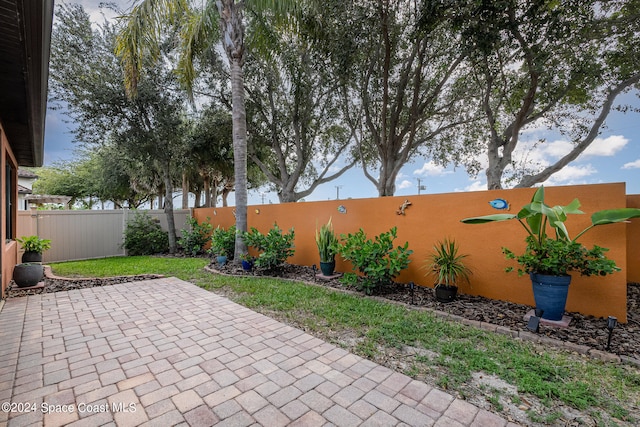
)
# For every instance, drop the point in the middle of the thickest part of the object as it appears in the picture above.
(8, 246)
(436, 216)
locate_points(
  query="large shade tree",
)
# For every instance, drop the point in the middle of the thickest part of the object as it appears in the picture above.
(87, 79)
(298, 135)
(203, 25)
(401, 63)
(545, 63)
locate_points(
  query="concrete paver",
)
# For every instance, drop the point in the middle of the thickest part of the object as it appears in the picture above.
(165, 352)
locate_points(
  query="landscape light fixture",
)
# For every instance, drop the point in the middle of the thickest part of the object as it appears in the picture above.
(315, 271)
(611, 324)
(412, 287)
(534, 321)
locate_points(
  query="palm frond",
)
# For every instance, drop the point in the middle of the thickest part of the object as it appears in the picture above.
(199, 32)
(140, 35)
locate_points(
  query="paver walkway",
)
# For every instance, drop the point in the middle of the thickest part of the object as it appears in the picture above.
(165, 352)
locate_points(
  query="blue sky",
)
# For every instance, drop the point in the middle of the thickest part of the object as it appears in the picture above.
(613, 157)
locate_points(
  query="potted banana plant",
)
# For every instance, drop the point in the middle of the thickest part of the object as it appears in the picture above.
(551, 254)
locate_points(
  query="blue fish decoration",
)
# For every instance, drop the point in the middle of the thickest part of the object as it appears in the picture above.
(500, 204)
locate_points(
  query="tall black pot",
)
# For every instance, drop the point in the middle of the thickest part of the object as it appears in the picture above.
(446, 293)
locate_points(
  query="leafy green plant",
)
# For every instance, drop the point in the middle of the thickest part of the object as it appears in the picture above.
(327, 242)
(196, 236)
(34, 244)
(446, 265)
(558, 254)
(246, 257)
(223, 241)
(274, 247)
(557, 257)
(377, 260)
(144, 236)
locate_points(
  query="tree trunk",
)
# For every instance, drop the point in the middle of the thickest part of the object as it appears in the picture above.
(239, 154)
(185, 191)
(168, 205)
(232, 30)
(494, 173)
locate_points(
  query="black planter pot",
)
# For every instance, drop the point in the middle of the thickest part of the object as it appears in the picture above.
(327, 268)
(30, 256)
(446, 293)
(26, 275)
(550, 294)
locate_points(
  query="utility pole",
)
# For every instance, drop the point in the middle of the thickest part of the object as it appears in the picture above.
(420, 187)
(338, 187)
(262, 195)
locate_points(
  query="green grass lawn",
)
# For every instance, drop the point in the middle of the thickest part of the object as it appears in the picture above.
(380, 331)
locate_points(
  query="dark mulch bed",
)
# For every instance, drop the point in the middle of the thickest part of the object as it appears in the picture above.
(583, 330)
(66, 284)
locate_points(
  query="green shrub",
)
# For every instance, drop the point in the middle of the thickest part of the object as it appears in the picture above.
(144, 236)
(275, 247)
(377, 260)
(196, 236)
(223, 242)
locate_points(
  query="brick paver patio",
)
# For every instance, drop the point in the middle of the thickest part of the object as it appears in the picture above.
(165, 352)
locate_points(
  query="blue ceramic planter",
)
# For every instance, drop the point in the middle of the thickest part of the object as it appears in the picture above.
(327, 268)
(550, 294)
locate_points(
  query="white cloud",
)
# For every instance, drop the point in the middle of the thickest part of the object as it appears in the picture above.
(569, 174)
(548, 152)
(474, 186)
(555, 149)
(632, 165)
(405, 184)
(431, 169)
(606, 147)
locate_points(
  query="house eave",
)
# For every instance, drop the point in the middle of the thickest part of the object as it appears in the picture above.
(25, 34)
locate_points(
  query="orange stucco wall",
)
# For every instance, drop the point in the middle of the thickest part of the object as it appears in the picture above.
(633, 242)
(8, 248)
(434, 217)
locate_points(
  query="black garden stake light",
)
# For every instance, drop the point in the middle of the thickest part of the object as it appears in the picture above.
(534, 321)
(611, 324)
(315, 271)
(412, 286)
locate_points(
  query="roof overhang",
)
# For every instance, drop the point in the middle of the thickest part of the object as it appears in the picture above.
(25, 41)
(40, 199)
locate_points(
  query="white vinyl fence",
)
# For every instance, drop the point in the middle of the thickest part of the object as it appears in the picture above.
(77, 235)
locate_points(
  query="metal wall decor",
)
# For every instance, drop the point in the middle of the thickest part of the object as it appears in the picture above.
(403, 206)
(500, 204)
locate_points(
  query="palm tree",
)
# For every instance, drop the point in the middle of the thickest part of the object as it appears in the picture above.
(140, 38)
